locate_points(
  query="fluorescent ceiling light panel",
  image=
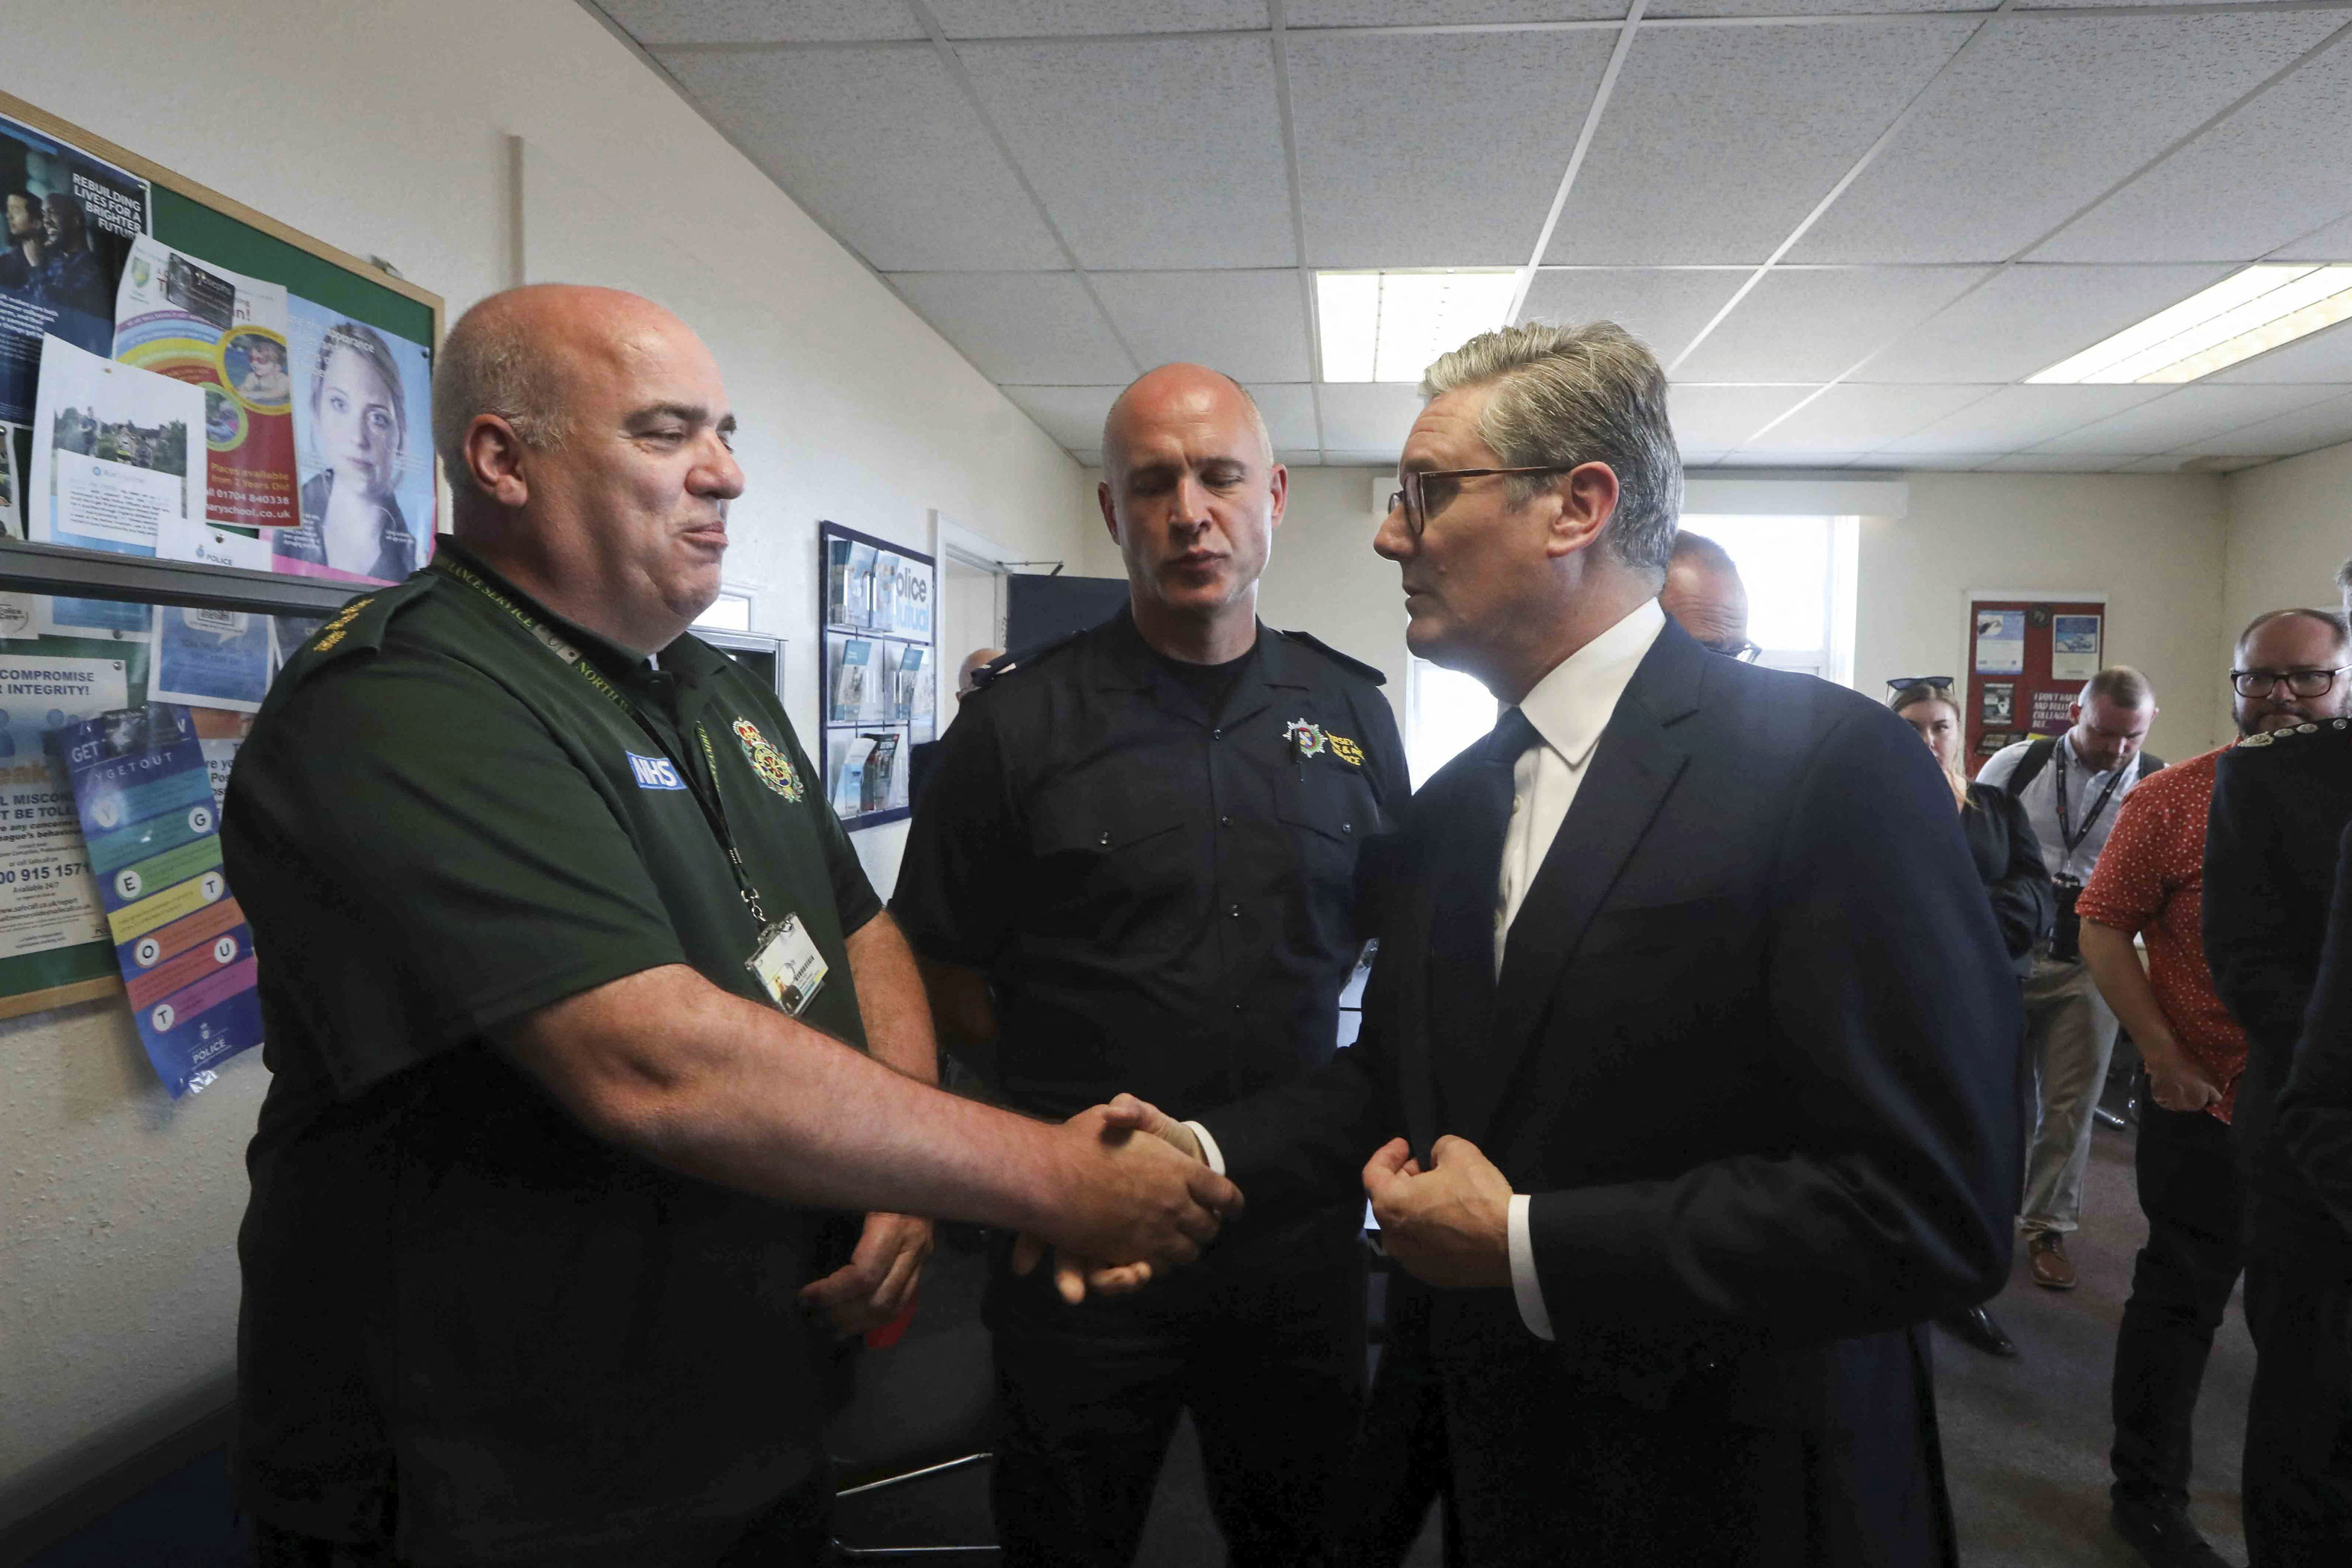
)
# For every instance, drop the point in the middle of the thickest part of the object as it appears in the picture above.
(2247, 313)
(1388, 326)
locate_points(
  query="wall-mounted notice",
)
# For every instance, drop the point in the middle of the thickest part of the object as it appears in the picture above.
(1998, 702)
(2000, 642)
(47, 898)
(70, 222)
(145, 800)
(12, 515)
(2073, 646)
(2054, 713)
(224, 332)
(363, 422)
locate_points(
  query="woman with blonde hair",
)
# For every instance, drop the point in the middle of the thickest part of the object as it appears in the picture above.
(2008, 863)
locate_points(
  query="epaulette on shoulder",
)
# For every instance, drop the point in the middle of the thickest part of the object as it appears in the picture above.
(1356, 666)
(1005, 664)
(358, 627)
(2278, 737)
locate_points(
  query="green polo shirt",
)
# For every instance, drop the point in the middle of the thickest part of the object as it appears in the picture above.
(471, 1330)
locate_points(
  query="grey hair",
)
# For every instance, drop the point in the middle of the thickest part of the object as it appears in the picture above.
(2344, 582)
(1588, 393)
(492, 363)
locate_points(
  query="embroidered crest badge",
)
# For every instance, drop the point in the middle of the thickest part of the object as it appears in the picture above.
(775, 768)
(1306, 737)
(1346, 750)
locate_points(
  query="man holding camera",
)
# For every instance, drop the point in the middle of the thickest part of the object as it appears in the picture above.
(2071, 787)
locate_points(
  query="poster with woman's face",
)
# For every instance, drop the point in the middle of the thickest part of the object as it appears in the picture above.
(364, 443)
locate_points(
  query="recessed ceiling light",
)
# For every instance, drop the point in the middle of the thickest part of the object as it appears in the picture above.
(1388, 326)
(2247, 313)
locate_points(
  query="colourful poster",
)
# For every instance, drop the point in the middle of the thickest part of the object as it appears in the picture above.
(47, 898)
(144, 795)
(2000, 642)
(71, 221)
(227, 333)
(363, 429)
(2073, 646)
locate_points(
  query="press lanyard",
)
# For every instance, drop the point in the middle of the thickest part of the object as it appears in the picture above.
(714, 809)
(2066, 834)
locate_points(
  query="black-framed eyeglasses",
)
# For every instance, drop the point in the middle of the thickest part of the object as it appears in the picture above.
(1903, 682)
(1745, 651)
(2302, 682)
(1412, 496)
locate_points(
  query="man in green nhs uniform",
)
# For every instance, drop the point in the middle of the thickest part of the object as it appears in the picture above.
(581, 1014)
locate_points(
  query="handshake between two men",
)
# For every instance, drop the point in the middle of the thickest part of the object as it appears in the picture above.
(1448, 1224)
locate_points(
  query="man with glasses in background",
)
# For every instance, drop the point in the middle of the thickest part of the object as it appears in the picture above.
(2071, 786)
(1704, 596)
(2149, 882)
(2281, 802)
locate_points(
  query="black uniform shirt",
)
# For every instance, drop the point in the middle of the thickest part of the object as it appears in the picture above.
(1165, 900)
(470, 1330)
(2281, 803)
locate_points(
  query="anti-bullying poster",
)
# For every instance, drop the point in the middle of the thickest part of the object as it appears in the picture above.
(144, 795)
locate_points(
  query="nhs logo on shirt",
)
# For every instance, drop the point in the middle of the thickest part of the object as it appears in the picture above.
(654, 773)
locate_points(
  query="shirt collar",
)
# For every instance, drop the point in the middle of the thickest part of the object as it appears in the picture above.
(686, 653)
(1571, 706)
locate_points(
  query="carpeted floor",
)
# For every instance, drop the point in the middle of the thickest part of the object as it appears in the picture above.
(2025, 1441)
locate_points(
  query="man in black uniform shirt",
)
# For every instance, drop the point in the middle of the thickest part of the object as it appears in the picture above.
(536, 1189)
(1139, 869)
(2281, 803)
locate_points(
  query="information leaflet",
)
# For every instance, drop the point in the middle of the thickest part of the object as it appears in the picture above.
(47, 898)
(145, 800)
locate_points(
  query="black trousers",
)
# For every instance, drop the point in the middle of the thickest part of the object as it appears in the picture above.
(2194, 1198)
(2299, 1474)
(1263, 1341)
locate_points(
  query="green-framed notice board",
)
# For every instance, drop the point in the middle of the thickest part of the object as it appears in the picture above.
(212, 228)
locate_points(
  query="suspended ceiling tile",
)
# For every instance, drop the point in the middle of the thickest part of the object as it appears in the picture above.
(1059, 18)
(2321, 357)
(1717, 140)
(2187, 417)
(1930, 462)
(2019, 416)
(1664, 309)
(2305, 430)
(1721, 417)
(1437, 151)
(1854, 417)
(1299, 458)
(1038, 329)
(1673, 9)
(1812, 325)
(1289, 412)
(1160, 154)
(1368, 418)
(2261, 178)
(1382, 457)
(2029, 318)
(1425, 13)
(1251, 325)
(760, 21)
(908, 188)
(2331, 243)
(2041, 117)
(1072, 415)
(1756, 457)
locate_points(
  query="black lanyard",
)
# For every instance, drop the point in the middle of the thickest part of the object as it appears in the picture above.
(2066, 834)
(714, 809)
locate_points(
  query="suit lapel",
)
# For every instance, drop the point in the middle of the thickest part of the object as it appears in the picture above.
(1631, 771)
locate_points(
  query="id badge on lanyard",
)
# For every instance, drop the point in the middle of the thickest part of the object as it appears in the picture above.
(789, 967)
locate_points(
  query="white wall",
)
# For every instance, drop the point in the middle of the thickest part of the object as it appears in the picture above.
(386, 129)
(2290, 529)
(2153, 543)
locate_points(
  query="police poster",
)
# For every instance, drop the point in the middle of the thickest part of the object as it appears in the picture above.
(71, 218)
(145, 800)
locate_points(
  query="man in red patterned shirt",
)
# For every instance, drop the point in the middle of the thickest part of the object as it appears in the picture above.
(2150, 883)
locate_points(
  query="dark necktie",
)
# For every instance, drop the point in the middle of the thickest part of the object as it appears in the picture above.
(1465, 899)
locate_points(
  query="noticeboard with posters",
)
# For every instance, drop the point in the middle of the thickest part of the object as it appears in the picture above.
(877, 626)
(2027, 656)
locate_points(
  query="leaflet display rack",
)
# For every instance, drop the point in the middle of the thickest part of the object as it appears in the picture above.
(879, 693)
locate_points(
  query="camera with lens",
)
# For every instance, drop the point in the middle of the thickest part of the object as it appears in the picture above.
(2066, 932)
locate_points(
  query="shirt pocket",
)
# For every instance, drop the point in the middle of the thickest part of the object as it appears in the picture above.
(1334, 803)
(1109, 870)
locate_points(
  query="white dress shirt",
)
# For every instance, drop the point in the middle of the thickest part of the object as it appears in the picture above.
(1568, 708)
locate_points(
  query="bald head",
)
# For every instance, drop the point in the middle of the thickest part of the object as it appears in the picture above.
(588, 447)
(1181, 394)
(971, 665)
(1704, 594)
